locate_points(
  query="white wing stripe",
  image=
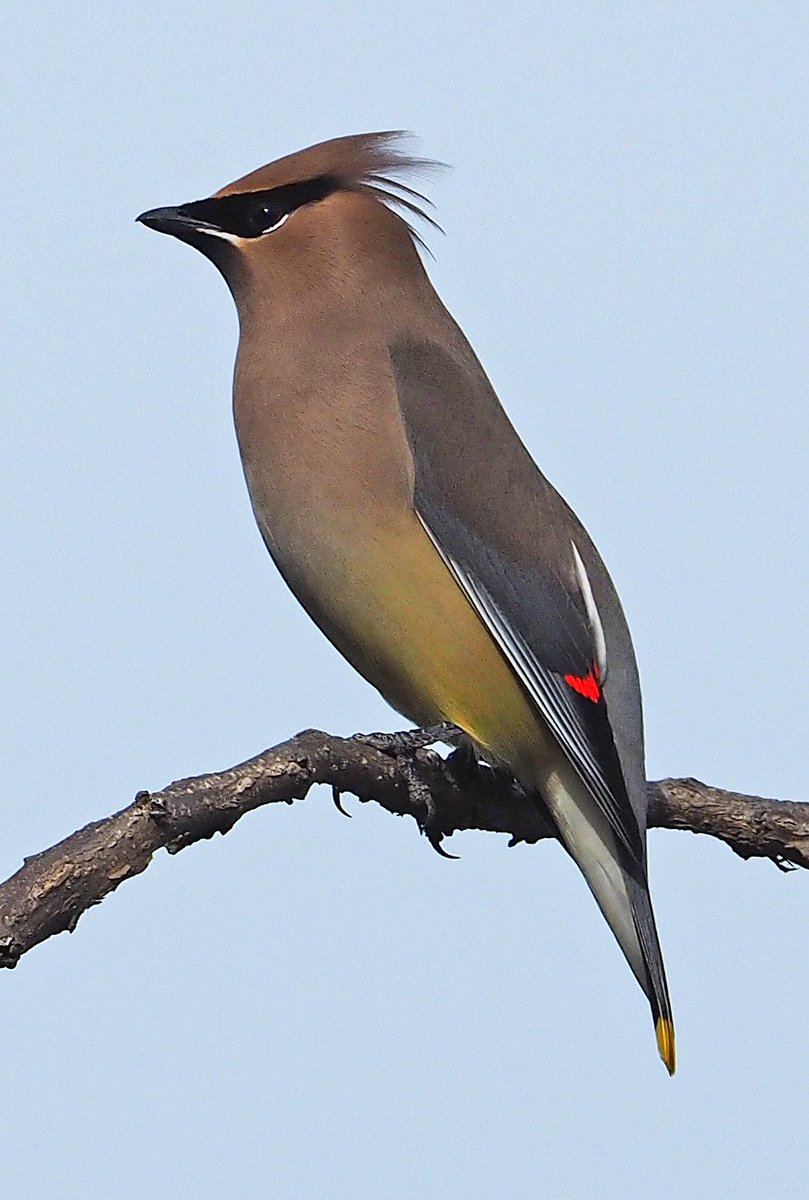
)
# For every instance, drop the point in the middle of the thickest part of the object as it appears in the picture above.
(592, 613)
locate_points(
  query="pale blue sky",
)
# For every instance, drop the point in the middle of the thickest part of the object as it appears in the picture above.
(312, 1007)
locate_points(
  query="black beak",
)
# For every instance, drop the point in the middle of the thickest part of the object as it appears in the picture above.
(196, 224)
(176, 221)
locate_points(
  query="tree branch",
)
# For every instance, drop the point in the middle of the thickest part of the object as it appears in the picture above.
(52, 889)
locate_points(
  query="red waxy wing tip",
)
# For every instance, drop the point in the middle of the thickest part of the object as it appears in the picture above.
(586, 685)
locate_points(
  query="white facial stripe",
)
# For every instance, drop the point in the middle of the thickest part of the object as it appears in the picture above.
(234, 239)
(277, 225)
(220, 233)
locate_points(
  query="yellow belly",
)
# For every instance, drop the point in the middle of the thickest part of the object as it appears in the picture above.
(399, 617)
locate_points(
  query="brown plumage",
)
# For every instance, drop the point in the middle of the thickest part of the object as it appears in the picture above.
(404, 512)
(367, 163)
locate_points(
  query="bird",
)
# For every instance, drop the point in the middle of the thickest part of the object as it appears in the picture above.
(407, 516)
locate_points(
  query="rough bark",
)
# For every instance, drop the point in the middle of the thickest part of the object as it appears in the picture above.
(53, 888)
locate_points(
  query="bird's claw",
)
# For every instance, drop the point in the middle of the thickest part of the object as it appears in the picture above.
(404, 747)
(336, 797)
(422, 799)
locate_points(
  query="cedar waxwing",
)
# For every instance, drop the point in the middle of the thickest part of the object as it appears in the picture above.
(404, 512)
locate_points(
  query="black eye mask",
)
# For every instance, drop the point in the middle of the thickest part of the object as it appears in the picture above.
(251, 214)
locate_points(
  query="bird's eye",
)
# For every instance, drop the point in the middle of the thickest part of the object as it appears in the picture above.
(266, 217)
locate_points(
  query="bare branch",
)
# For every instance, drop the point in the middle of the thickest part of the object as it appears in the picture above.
(52, 889)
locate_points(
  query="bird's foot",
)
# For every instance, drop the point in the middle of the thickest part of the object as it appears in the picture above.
(409, 740)
(422, 800)
(465, 759)
(466, 762)
(405, 748)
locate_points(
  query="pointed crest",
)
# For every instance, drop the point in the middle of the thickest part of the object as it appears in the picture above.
(365, 162)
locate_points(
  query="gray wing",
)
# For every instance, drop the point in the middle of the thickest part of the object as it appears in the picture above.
(528, 567)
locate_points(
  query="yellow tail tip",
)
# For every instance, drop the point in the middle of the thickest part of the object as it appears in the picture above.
(664, 1029)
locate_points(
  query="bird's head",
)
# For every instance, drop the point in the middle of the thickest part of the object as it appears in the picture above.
(315, 219)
